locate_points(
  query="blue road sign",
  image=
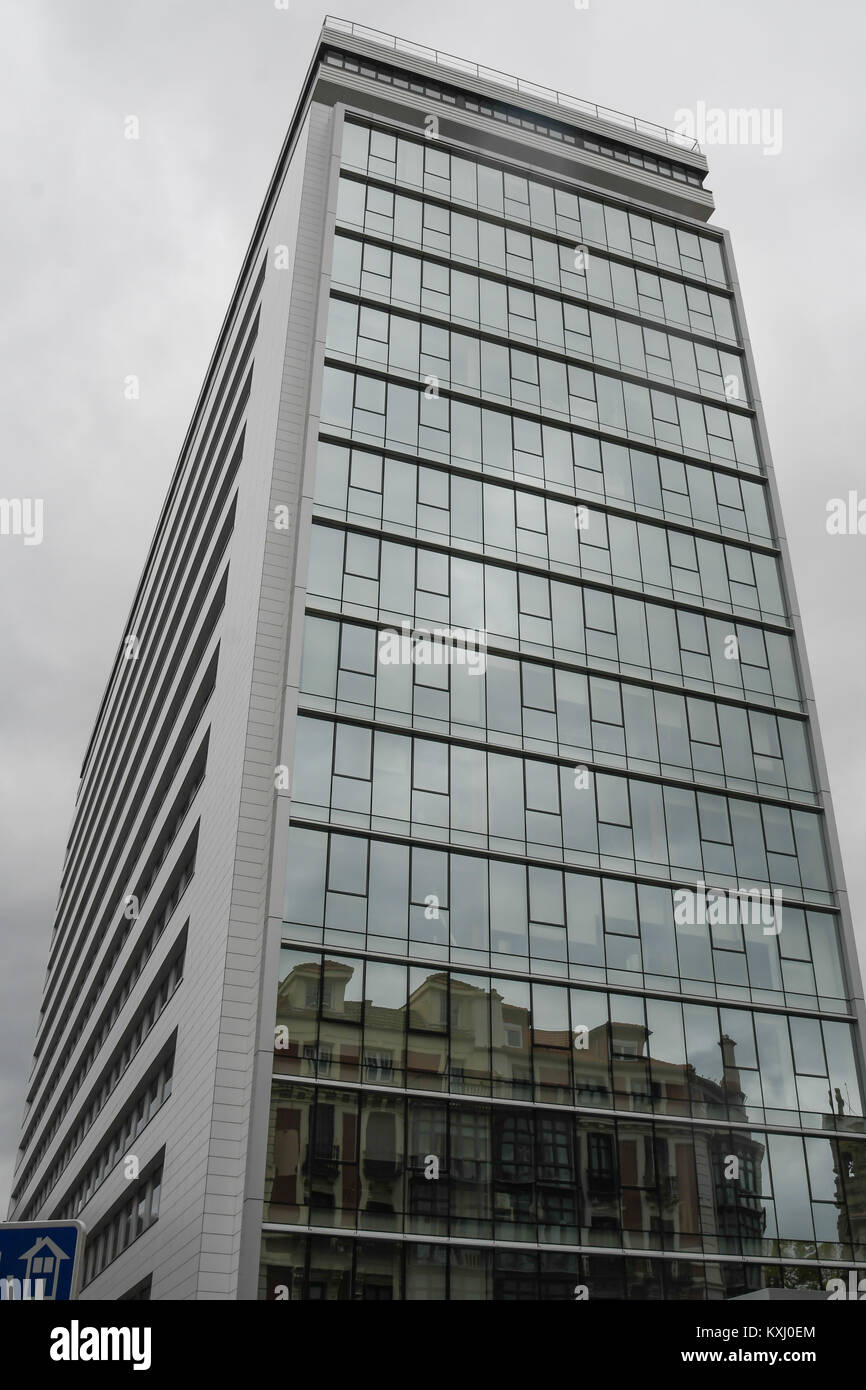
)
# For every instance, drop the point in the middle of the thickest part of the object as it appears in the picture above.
(40, 1259)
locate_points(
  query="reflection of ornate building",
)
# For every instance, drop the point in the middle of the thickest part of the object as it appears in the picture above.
(849, 1168)
(340, 1157)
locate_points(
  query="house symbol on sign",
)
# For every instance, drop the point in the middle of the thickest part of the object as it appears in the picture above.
(43, 1262)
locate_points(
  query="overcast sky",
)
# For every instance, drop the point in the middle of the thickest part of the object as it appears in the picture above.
(118, 257)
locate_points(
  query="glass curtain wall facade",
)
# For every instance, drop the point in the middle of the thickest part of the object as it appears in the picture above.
(530, 1043)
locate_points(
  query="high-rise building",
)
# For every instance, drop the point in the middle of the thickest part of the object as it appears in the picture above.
(453, 908)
